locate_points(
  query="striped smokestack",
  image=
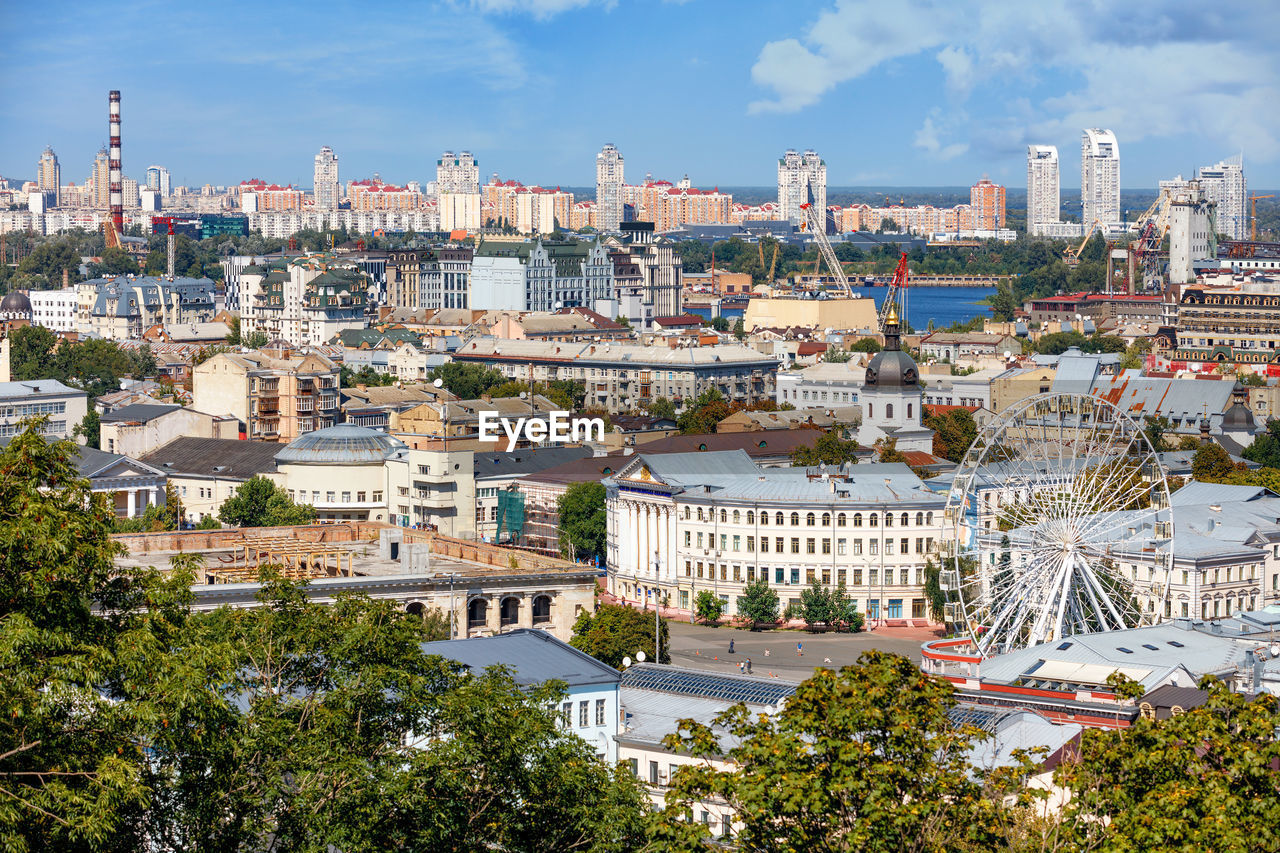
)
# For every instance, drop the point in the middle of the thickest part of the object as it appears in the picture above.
(114, 179)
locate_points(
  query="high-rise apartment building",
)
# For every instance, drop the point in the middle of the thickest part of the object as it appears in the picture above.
(49, 175)
(326, 188)
(986, 201)
(100, 177)
(1224, 184)
(609, 182)
(158, 180)
(801, 178)
(457, 173)
(1044, 193)
(1099, 177)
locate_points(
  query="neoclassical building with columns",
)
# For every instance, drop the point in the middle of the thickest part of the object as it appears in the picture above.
(680, 523)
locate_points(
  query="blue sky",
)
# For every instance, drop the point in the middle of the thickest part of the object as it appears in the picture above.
(890, 93)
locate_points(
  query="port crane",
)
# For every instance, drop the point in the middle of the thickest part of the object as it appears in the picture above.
(897, 286)
(1072, 256)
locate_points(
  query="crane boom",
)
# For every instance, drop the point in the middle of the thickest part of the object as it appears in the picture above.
(818, 229)
(898, 286)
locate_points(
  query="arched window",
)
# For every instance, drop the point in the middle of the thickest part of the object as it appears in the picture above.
(810, 520)
(871, 411)
(906, 519)
(909, 411)
(700, 518)
(764, 519)
(928, 518)
(751, 517)
(777, 519)
(840, 520)
(888, 519)
(795, 519)
(724, 517)
(737, 517)
(919, 519)
(416, 608)
(857, 519)
(873, 519)
(510, 611)
(477, 613)
(826, 519)
(541, 609)
(888, 411)
(686, 513)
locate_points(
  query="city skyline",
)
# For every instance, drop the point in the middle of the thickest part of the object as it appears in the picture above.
(927, 101)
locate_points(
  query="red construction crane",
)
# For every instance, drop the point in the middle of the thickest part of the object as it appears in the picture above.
(897, 292)
(168, 220)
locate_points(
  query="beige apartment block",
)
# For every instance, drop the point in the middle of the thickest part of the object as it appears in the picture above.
(277, 394)
(782, 312)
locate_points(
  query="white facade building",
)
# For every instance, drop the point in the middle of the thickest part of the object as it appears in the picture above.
(54, 309)
(158, 180)
(63, 406)
(609, 180)
(801, 177)
(1044, 198)
(457, 173)
(1224, 183)
(1099, 177)
(686, 522)
(1190, 226)
(326, 187)
(459, 211)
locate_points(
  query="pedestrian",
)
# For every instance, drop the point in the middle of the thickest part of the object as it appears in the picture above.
(800, 650)
(741, 664)
(731, 647)
(766, 652)
(748, 666)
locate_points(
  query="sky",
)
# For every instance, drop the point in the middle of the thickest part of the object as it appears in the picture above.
(901, 93)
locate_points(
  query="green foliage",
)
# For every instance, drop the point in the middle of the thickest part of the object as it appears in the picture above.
(257, 339)
(614, 632)
(209, 522)
(887, 450)
(89, 428)
(704, 413)
(233, 333)
(661, 407)
(1155, 427)
(1265, 449)
(758, 603)
(567, 394)
(1057, 343)
(863, 759)
(870, 345)
(466, 381)
(831, 607)
(94, 365)
(933, 592)
(1251, 380)
(739, 330)
(720, 324)
(259, 502)
(114, 262)
(828, 449)
(708, 606)
(366, 375)
(1203, 780)
(835, 355)
(583, 520)
(1211, 464)
(953, 432)
(44, 267)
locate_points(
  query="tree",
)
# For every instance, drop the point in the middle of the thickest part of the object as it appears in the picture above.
(933, 592)
(662, 408)
(1212, 787)
(365, 375)
(1211, 464)
(90, 429)
(1265, 449)
(31, 352)
(116, 262)
(829, 449)
(704, 413)
(466, 381)
(834, 355)
(567, 394)
(259, 502)
(815, 604)
(583, 520)
(739, 330)
(758, 603)
(719, 323)
(888, 451)
(257, 339)
(953, 432)
(870, 345)
(615, 631)
(708, 606)
(1155, 428)
(233, 332)
(863, 759)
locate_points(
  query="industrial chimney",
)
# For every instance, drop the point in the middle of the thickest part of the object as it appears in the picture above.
(116, 188)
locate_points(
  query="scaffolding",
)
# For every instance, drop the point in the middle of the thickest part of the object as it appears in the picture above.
(293, 559)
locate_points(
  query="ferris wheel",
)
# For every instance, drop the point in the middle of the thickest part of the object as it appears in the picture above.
(1062, 523)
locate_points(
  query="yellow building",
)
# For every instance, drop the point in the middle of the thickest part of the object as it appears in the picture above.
(781, 312)
(1015, 385)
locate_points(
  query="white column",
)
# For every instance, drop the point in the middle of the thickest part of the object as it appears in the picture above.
(132, 495)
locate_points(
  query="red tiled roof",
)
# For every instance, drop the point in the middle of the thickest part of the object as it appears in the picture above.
(679, 320)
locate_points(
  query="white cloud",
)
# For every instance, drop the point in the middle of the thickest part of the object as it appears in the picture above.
(1186, 66)
(541, 9)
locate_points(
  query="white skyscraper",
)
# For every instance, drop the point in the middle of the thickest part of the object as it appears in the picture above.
(800, 178)
(608, 188)
(457, 173)
(1099, 177)
(158, 180)
(326, 188)
(49, 175)
(1224, 183)
(1043, 188)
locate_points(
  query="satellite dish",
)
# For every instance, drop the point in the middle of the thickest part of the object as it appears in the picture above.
(439, 383)
(626, 662)
(640, 657)
(1007, 354)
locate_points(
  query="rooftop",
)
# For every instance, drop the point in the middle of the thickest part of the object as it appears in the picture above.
(534, 657)
(224, 458)
(340, 445)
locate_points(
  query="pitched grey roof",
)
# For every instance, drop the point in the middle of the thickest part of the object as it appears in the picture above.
(36, 388)
(140, 412)
(1196, 492)
(224, 458)
(534, 656)
(525, 461)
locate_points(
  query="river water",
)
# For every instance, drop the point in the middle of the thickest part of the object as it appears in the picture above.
(942, 305)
